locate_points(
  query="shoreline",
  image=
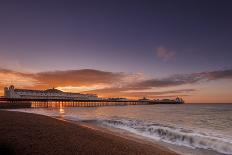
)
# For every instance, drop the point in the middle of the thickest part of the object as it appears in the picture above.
(123, 134)
(27, 133)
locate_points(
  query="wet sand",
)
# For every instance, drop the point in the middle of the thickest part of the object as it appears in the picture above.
(24, 134)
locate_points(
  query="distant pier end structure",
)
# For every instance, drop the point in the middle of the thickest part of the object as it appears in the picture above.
(53, 93)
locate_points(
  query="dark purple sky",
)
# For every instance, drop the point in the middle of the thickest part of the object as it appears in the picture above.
(117, 35)
(156, 38)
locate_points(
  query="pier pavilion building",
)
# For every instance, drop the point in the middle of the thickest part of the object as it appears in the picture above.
(11, 92)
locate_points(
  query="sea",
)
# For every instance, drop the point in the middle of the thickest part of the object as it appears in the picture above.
(189, 129)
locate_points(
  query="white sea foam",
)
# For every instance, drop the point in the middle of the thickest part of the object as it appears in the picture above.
(173, 135)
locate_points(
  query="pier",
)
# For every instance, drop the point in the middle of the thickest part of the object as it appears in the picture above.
(50, 98)
(52, 103)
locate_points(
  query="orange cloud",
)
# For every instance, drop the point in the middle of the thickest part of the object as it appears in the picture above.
(85, 77)
(109, 84)
(8, 77)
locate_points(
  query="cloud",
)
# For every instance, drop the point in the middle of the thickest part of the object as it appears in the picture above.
(8, 77)
(69, 79)
(164, 53)
(103, 83)
(136, 89)
(160, 94)
(84, 77)
(182, 79)
(119, 92)
(214, 75)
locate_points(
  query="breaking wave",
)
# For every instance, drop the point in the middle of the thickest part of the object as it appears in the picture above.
(173, 135)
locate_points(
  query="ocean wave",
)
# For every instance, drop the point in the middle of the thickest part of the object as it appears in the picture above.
(157, 131)
(173, 135)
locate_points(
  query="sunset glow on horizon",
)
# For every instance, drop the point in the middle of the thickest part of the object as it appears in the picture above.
(194, 88)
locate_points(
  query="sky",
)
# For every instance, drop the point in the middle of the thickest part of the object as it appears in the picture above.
(119, 48)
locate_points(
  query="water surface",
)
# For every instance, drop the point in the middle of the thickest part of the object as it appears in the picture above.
(197, 128)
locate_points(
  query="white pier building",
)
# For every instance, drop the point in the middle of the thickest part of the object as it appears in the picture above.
(11, 92)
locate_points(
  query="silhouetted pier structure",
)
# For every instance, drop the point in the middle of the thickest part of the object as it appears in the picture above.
(49, 103)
